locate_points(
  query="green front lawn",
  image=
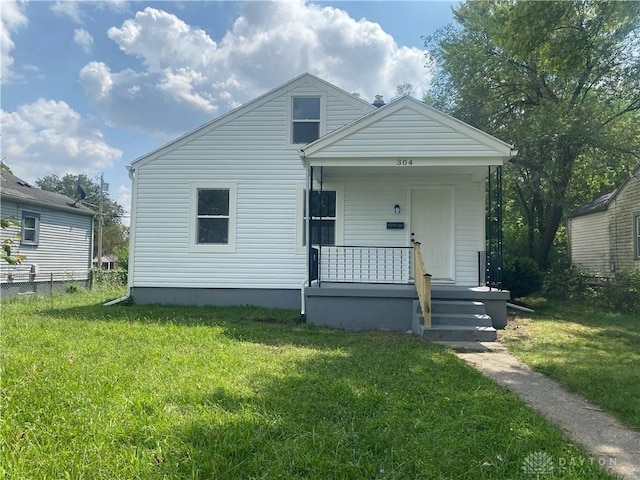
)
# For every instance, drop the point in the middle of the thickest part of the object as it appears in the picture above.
(591, 351)
(93, 392)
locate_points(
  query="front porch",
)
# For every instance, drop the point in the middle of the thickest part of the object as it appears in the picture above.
(423, 191)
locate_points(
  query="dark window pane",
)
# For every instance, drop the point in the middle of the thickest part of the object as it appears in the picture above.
(305, 132)
(325, 229)
(213, 202)
(306, 108)
(324, 205)
(29, 229)
(213, 230)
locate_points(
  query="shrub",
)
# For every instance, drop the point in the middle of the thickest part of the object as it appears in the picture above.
(522, 277)
(622, 292)
(567, 282)
(108, 278)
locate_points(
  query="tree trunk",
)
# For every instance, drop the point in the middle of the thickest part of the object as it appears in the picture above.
(565, 161)
(546, 241)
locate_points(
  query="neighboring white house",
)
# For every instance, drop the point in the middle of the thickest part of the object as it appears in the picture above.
(226, 206)
(55, 235)
(604, 235)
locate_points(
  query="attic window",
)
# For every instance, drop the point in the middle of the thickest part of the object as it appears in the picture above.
(23, 183)
(306, 115)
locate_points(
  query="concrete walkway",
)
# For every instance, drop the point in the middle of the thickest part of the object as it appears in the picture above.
(612, 445)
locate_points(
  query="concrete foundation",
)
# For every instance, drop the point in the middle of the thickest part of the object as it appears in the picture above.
(260, 297)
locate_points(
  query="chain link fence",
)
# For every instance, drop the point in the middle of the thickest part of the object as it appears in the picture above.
(26, 283)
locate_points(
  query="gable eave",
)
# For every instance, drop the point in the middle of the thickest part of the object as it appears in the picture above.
(502, 149)
(80, 209)
(244, 109)
(602, 203)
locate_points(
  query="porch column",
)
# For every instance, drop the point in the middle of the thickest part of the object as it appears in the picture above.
(493, 255)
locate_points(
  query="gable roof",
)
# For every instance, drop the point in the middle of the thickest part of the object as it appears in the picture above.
(602, 203)
(425, 117)
(15, 189)
(247, 107)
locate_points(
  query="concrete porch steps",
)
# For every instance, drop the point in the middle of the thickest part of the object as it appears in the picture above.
(455, 321)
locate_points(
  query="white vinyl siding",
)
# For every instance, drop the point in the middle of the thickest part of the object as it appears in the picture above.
(406, 133)
(590, 242)
(604, 243)
(63, 248)
(369, 203)
(251, 152)
(625, 207)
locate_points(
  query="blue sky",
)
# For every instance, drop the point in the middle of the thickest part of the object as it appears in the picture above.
(87, 87)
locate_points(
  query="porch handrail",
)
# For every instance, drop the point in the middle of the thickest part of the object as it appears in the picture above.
(422, 281)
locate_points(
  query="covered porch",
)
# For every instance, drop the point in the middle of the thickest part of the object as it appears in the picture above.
(403, 223)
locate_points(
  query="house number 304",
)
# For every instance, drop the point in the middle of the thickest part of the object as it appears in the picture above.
(403, 162)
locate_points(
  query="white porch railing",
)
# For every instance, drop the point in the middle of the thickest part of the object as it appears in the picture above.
(365, 264)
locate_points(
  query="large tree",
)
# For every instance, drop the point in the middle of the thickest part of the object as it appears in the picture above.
(560, 81)
(114, 233)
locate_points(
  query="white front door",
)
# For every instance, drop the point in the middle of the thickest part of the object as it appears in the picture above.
(432, 224)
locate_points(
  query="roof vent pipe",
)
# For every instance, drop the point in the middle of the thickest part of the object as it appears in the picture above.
(378, 102)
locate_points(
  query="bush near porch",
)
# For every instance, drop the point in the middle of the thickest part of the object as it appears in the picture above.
(160, 392)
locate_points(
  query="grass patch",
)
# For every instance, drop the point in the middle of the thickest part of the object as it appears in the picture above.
(223, 393)
(592, 352)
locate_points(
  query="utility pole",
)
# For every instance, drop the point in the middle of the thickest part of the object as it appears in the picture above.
(104, 187)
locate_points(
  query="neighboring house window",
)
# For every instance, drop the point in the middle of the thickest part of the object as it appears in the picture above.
(30, 228)
(213, 225)
(306, 119)
(636, 236)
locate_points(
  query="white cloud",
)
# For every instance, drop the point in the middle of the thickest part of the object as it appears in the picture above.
(12, 18)
(76, 10)
(50, 137)
(84, 39)
(68, 8)
(189, 78)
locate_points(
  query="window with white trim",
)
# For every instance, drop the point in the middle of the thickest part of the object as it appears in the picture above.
(213, 217)
(636, 234)
(305, 119)
(30, 228)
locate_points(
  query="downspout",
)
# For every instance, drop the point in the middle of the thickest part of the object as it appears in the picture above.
(307, 279)
(132, 230)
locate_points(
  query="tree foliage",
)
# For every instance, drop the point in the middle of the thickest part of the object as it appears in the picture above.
(560, 81)
(115, 234)
(6, 246)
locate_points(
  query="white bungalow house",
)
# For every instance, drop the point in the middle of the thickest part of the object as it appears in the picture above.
(309, 197)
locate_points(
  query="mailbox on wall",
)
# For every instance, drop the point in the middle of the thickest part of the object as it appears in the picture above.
(395, 225)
